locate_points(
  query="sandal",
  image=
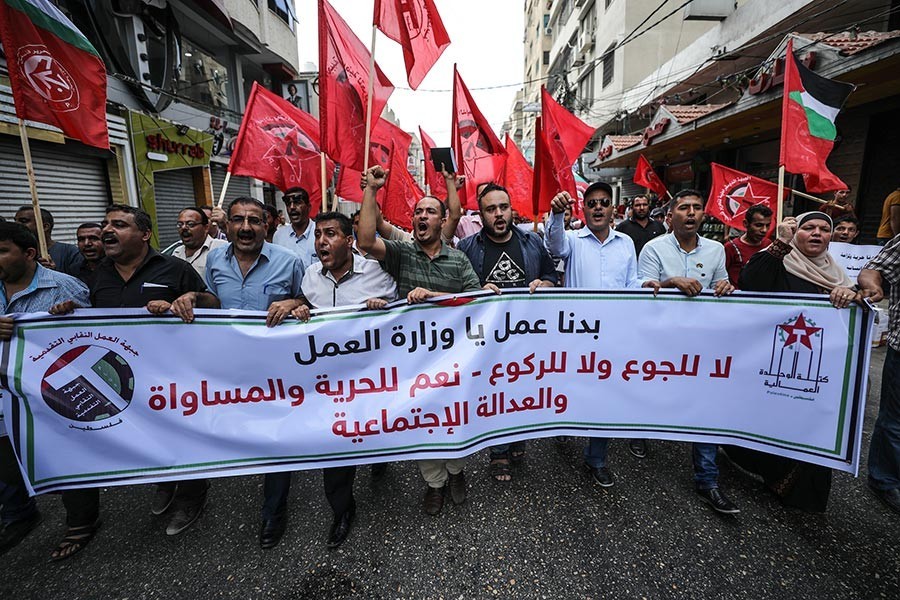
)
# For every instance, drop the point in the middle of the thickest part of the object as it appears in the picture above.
(75, 540)
(499, 469)
(517, 456)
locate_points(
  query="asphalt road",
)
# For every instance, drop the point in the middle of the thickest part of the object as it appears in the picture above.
(550, 533)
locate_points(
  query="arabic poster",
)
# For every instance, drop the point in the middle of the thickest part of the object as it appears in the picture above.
(852, 258)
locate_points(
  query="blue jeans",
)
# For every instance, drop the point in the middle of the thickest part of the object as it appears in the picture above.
(884, 449)
(595, 452)
(276, 487)
(15, 505)
(706, 471)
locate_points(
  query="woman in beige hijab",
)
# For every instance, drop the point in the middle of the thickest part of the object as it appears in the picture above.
(797, 261)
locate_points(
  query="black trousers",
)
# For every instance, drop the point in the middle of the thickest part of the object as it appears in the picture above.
(338, 490)
(83, 506)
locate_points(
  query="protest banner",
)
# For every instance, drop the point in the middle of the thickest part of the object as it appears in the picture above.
(114, 397)
(851, 257)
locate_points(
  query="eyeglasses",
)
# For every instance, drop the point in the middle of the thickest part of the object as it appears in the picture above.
(239, 220)
(593, 202)
(289, 200)
(188, 224)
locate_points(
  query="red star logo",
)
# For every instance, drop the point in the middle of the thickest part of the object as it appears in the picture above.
(799, 331)
(742, 197)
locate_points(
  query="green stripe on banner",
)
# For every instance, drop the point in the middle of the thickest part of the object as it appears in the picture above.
(819, 126)
(65, 31)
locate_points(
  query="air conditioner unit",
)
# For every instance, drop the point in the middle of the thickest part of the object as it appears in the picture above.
(587, 44)
(578, 61)
(548, 31)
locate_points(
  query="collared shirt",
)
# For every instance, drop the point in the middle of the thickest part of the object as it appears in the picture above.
(198, 258)
(640, 234)
(275, 275)
(663, 258)
(590, 263)
(365, 279)
(887, 262)
(450, 271)
(47, 288)
(66, 257)
(468, 225)
(159, 277)
(303, 245)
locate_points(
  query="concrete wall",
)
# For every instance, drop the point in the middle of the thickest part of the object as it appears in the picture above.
(246, 13)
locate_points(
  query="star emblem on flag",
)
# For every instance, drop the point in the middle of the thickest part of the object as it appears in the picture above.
(743, 197)
(799, 331)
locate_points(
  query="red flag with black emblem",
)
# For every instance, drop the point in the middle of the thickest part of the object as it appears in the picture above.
(433, 179)
(415, 25)
(385, 139)
(279, 143)
(645, 175)
(343, 90)
(517, 180)
(733, 192)
(564, 139)
(478, 150)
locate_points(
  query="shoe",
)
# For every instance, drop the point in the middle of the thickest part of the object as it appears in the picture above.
(457, 484)
(340, 528)
(271, 531)
(184, 516)
(162, 499)
(889, 497)
(15, 532)
(638, 448)
(434, 500)
(378, 471)
(717, 500)
(602, 476)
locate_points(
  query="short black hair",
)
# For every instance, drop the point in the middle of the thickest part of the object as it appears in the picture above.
(598, 186)
(203, 218)
(682, 194)
(273, 212)
(354, 215)
(296, 191)
(343, 220)
(491, 187)
(89, 225)
(18, 234)
(46, 215)
(757, 209)
(141, 218)
(246, 200)
(439, 201)
(847, 219)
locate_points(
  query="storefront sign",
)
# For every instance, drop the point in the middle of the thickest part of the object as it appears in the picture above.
(655, 130)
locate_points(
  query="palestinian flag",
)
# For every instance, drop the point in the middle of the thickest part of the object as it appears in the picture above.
(811, 105)
(56, 75)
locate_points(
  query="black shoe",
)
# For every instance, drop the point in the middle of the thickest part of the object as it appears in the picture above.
(17, 531)
(162, 499)
(638, 448)
(717, 500)
(457, 485)
(378, 471)
(602, 476)
(340, 528)
(889, 497)
(271, 531)
(434, 499)
(184, 516)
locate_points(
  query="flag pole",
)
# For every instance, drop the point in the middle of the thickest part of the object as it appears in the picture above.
(779, 206)
(224, 189)
(370, 91)
(324, 202)
(32, 184)
(808, 197)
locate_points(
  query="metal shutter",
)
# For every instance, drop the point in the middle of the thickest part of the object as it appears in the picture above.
(237, 186)
(72, 186)
(173, 191)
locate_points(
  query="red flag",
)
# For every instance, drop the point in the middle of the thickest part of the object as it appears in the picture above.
(518, 179)
(386, 140)
(415, 25)
(401, 193)
(477, 148)
(544, 185)
(343, 89)
(435, 180)
(279, 143)
(645, 175)
(733, 192)
(811, 105)
(55, 73)
(565, 137)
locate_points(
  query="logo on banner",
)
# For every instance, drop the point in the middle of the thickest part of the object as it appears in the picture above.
(796, 358)
(48, 77)
(88, 384)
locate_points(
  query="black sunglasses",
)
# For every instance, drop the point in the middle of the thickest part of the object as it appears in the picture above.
(593, 202)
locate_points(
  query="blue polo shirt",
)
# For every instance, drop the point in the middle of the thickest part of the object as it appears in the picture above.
(663, 258)
(303, 245)
(276, 275)
(590, 263)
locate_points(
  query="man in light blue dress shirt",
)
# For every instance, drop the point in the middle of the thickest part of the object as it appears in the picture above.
(298, 235)
(684, 260)
(599, 258)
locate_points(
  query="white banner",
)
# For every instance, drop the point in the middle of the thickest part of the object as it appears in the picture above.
(119, 397)
(852, 257)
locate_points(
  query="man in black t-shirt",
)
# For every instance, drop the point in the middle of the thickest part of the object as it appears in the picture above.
(505, 256)
(640, 227)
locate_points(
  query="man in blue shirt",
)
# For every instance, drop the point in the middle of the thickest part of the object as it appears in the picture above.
(684, 260)
(597, 257)
(251, 274)
(26, 287)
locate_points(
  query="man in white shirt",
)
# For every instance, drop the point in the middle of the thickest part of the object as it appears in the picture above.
(193, 228)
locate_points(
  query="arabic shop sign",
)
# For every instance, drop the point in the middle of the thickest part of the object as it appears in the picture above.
(655, 130)
(774, 76)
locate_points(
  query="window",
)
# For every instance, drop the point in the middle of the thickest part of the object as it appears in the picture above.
(202, 77)
(586, 91)
(285, 11)
(546, 57)
(609, 63)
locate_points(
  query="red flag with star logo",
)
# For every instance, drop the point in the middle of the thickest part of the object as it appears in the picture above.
(733, 192)
(417, 26)
(279, 143)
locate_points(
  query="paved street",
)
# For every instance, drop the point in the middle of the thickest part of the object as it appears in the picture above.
(549, 534)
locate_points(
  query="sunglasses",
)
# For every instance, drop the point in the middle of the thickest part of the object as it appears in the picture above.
(593, 202)
(289, 200)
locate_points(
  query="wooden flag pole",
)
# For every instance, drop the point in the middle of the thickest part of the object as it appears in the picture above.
(370, 91)
(224, 189)
(808, 197)
(32, 184)
(780, 206)
(324, 189)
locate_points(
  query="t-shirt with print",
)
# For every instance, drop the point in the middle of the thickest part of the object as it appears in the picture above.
(503, 263)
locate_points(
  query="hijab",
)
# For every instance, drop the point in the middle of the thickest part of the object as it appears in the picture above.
(821, 270)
